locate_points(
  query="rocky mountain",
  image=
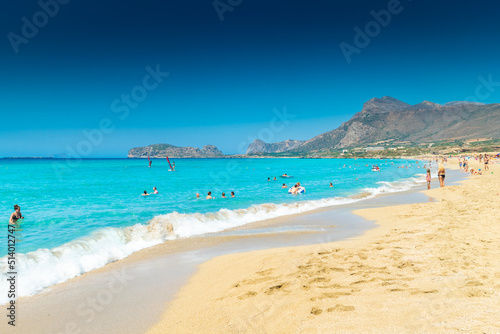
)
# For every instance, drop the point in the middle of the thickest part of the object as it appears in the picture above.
(162, 150)
(452, 103)
(258, 146)
(390, 120)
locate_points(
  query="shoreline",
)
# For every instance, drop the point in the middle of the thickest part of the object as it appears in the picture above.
(425, 267)
(152, 258)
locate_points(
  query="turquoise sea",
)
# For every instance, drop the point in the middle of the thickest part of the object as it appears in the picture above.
(82, 214)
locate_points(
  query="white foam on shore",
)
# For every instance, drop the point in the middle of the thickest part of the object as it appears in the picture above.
(45, 267)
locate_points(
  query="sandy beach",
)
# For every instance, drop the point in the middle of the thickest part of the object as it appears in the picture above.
(427, 267)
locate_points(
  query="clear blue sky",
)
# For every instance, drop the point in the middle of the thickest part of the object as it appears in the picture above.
(226, 77)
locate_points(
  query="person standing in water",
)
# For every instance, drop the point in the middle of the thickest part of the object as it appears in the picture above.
(441, 175)
(16, 215)
(155, 191)
(173, 166)
(145, 193)
(428, 178)
(209, 195)
(232, 193)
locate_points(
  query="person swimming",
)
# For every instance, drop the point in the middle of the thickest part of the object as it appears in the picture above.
(274, 179)
(145, 193)
(16, 215)
(197, 195)
(224, 195)
(209, 195)
(155, 191)
(232, 193)
(331, 185)
(284, 186)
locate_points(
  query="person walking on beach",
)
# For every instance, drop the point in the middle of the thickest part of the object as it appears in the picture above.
(428, 178)
(441, 175)
(486, 162)
(16, 215)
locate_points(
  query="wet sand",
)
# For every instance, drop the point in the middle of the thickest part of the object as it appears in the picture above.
(427, 267)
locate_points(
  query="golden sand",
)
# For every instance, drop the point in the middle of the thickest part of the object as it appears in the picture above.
(428, 267)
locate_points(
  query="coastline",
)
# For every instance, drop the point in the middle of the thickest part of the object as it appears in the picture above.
(150, 267)
(426, 267)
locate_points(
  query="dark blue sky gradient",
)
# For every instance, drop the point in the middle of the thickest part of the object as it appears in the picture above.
(227, 77)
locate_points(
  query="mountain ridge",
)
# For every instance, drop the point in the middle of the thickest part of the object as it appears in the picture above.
(163, 150)
(259, 146)
(388, 119)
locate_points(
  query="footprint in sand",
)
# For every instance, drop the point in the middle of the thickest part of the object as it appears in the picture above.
(416, 292)
(247, 295)
(265, 272)
(473, 283)
(316, 311)
(340, 307)
(257, 280)
(332, 295)
(319, 279)
(362, 256)
(275, 288)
